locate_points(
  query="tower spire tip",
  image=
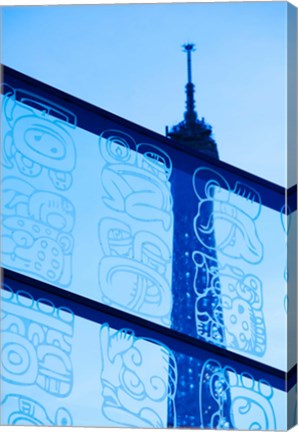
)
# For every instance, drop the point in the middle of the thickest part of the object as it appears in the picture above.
(189, 47)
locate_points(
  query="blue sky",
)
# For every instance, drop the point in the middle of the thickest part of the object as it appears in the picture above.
(128, 59)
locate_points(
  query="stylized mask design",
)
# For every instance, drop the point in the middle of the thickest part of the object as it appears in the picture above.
(250, 401)
(136, 233)
(136, 390)
(229, 300)
(36, 343)
(39, 138)
(136, 184)
(134, 274)
(229, 313)
(36, 234)
(20, 410)
(232, 216)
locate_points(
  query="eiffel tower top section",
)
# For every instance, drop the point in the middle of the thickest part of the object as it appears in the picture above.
(192, 131)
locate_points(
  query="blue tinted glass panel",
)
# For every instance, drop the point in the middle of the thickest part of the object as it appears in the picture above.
(135, 227)
(125, 219)
(241, 276)
(111, 212)
(61, 369)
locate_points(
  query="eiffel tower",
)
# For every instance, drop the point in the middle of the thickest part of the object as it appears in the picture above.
(193, 133)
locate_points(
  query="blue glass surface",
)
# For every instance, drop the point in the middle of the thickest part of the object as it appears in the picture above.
(58, 369)
(38, 159)
(133, 223)
(61, 369)
(240, 276)
(36, 360)
(135, 227)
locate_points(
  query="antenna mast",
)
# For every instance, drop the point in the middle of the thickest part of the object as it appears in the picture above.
(190, 115)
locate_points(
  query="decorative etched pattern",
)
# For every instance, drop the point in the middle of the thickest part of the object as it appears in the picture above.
(229, 305)
(39, 138)
(36, 234)
(250, 400)
(233, 216)
(136, 388)
(20, 410)
(36, 343)
(141, 263)
(136, 236)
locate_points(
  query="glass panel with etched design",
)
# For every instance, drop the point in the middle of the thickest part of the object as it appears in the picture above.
(158, 242)
(59, 369)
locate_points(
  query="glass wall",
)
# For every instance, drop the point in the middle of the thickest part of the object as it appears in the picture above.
(96, 207)
(61, 369)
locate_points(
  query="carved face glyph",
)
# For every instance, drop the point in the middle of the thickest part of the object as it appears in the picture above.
(229, 214)
(36, 343)
(134, 379)
(38, 139)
